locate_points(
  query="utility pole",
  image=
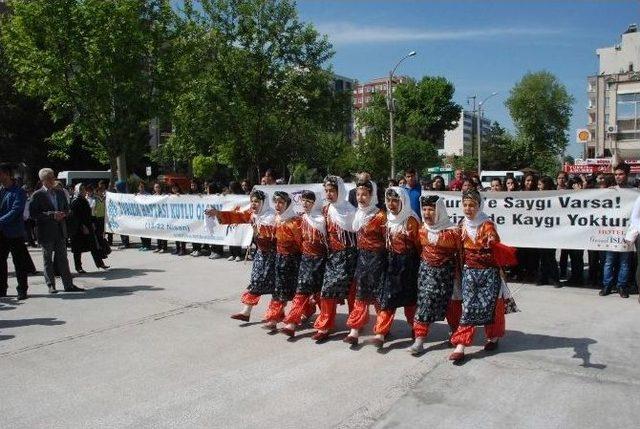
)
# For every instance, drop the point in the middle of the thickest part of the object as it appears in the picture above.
(391, 107)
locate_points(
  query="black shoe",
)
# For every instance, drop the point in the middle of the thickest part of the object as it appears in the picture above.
(624, 294)
(3, 293)
(73, 288)
(603, 292)
(556, 284)
(52, 289)
(22, 296)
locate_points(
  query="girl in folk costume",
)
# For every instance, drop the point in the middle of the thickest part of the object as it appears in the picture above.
(311, 272)
(440, 240)
(481, 281)
(341, 258)
(398, 288)
(263, 219)
(288, 251)
(370, 224)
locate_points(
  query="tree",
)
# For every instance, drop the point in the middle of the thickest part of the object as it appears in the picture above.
(98, 64)
(255, 92)
(415, 153)
(25, 128)
(204, 167)
(424, 111)
(499, 151)
(540, 107)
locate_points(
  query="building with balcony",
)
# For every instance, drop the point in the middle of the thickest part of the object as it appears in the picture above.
(363, 92)
(613, 110)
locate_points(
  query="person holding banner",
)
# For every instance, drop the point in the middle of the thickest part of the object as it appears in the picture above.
(548, 271)
(288, 233)
(440, 240)
(341, 258)
(370, 224)
(618, 265)
(399, 285)
(314, 250)
(163, 245)
(481, 281)
(263, 219)
(181, 246)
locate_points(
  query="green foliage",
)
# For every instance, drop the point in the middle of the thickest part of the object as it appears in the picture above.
(332, 153)
(372, 155)
(466, 163)
(499, 151)
(100, 65)
(301, 173)
(24, 125)
(253, 92)
(204, 167)
(415, 153)
(424, 110)
(540, 107)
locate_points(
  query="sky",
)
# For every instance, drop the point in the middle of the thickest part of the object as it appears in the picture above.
(480, 46)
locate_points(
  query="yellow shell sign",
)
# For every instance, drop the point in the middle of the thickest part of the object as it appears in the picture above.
(583, 136)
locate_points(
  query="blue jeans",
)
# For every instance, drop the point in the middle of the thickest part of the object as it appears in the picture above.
(620, 262)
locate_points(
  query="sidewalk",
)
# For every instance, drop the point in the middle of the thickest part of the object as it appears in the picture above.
(151, 345)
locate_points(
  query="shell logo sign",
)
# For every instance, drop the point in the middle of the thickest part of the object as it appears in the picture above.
(583, 136)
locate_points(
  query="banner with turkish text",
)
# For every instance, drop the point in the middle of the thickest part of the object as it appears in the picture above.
(592, 219)
(176, 218)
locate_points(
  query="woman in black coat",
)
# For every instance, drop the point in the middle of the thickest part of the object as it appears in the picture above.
(83, 236)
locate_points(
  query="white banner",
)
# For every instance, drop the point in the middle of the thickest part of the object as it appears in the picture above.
(593, 219)
(176, 218)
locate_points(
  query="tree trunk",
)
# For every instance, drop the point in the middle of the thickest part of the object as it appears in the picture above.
(113, 166)
(122, 167)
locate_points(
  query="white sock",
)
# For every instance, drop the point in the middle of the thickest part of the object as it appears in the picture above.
(459, 348)
(354, 333)
(380, 337)
(417, 344)
(247, 310)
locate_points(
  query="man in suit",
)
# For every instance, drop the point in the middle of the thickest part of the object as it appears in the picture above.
(49, 208)
(12, 232)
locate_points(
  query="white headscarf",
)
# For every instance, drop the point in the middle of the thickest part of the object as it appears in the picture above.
(442, 221)
(397, 223)
(77, 188)
(341, 212)
(471, 225)
(364, 214)
(265, 216)
(316, 218)
(289, 212)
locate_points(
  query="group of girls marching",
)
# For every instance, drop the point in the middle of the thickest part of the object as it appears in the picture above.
(371, 256)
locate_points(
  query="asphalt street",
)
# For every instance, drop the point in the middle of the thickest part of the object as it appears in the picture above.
(150, 344)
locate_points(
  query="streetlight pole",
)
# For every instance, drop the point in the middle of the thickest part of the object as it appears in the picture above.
(391, 108)
(479, 123)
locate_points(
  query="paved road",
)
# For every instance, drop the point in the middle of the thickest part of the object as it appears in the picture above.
(151, 345)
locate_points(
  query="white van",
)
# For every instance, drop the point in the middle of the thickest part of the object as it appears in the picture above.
(72, 177)
(487, 176)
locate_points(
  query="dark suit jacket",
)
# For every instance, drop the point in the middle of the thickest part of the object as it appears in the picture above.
(41, 210)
